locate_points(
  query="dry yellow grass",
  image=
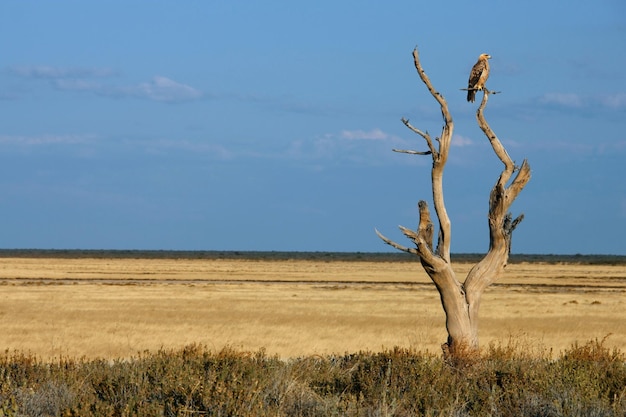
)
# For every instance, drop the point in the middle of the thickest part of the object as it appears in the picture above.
(118, 307)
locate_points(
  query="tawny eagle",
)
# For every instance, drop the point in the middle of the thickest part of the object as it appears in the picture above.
(478, 76)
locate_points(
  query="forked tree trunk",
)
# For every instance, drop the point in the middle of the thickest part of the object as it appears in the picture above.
(461, 301)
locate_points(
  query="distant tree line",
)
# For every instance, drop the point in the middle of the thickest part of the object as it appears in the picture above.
(309, 256)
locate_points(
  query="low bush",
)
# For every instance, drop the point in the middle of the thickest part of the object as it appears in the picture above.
(585, 380)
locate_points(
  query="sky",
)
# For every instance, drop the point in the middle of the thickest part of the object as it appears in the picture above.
(268, 126)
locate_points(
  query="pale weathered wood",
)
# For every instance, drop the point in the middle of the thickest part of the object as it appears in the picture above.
(501, 227)
(461, 301)
(439, 158)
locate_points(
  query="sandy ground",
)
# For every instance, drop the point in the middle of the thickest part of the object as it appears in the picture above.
(118, 307)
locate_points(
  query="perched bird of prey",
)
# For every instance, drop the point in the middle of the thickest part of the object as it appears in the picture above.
(478, 76)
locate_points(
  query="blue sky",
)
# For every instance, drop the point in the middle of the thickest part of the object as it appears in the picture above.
(239, 125)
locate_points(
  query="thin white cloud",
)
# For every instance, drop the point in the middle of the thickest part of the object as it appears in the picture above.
(611, 146)
(613, 101)
(356, 146)
(217, 151)
(159, 88)
(512, 143)
(46, 139)
(562, 99)
(460, 141)
(395, 141)
(50, 72)
(164, 89)
(374, 134)
(72, 84)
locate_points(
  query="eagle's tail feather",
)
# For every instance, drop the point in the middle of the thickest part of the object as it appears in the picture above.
(471, 95)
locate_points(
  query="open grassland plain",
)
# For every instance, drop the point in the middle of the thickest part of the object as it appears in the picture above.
(116, 307)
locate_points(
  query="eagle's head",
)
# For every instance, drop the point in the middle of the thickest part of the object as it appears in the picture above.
(484, 56)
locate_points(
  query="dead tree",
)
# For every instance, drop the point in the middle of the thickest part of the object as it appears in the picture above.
(461, 301)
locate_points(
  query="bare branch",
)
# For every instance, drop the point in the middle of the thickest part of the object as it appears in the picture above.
(432, 263)
(395, 245)
(515, 222)
(481, 89)
(501, 225)
(422, 74)
(520, 181)
(425, 135)
(412, 152)
(439, 160)
(495, 142)
(411, 234)
(425, 227)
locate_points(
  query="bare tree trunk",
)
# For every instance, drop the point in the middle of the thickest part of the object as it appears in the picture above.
(461, 301)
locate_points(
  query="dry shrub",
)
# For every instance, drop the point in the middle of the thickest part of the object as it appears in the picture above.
(586, 380)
